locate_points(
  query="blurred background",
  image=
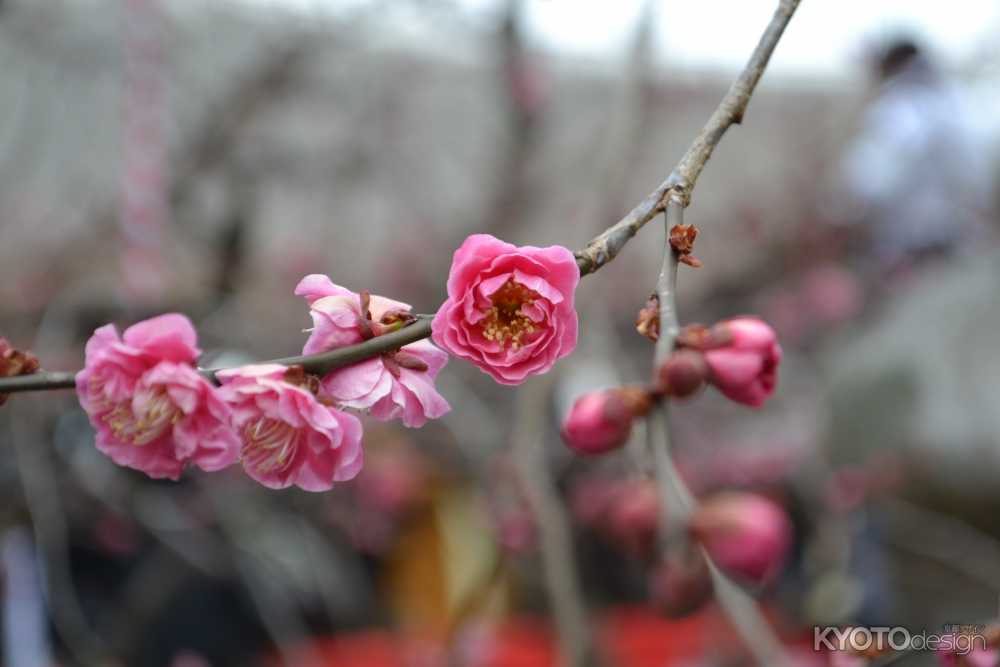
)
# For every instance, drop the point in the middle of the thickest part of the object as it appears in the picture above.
(202, 156)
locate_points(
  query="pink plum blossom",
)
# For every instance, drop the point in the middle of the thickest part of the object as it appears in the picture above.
(151, 408)
(745, 366)
(398, 384)
(509, 309)
(747, 535)
(287, 436)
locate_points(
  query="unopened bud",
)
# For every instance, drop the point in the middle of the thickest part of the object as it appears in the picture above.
(647, 322)
(682, 374)
(15, 362)
(601, 421)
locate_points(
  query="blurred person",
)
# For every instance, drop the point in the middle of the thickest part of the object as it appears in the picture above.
(916, 173)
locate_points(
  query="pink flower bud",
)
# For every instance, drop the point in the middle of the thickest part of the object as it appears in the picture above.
(602, 420)
(746, 535)
(682, 374)
(745, 366)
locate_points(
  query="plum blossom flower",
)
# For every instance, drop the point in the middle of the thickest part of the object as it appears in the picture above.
(509, 309)
(747, 535)
(151, 409)
(744, 365)
(287, 436)
(398, 384)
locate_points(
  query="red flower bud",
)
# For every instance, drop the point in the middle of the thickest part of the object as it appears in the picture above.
(746, 535)
(682, 374)
(602, 420)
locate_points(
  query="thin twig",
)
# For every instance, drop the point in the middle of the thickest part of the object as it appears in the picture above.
(609, 243)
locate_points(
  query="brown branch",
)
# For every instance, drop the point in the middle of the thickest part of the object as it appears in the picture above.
(319, 364)
(682, 180)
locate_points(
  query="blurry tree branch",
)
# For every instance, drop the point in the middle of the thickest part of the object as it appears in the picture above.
(213, 143)
(555, 539)
(49, 521)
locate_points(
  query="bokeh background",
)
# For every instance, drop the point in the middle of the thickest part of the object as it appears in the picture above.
(202, 156)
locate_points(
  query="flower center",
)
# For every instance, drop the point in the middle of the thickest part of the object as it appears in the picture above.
(504, 321)
(269, 445)
(156, 415)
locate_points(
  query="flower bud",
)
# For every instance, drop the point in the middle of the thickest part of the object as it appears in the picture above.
(682, 374)
(746, 535)
(647, 322)
(745, 367)
(15, 362)
(602, 420)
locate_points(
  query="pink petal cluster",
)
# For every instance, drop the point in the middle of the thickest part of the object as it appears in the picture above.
(509, 309)
(398, 385)
(747, 535)
(745, 367)
(287, 436)
(151, 409)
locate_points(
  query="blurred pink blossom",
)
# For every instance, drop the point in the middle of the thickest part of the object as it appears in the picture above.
(747, 535)
(509, 309)
(288, 436)
(832, 294)
(977, 657)
(152, 410)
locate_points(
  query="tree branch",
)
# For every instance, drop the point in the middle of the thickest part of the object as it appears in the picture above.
(598, 252)
(609, 243)
(676, 500)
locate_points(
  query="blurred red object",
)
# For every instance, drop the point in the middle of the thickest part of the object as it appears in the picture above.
(632, 636)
